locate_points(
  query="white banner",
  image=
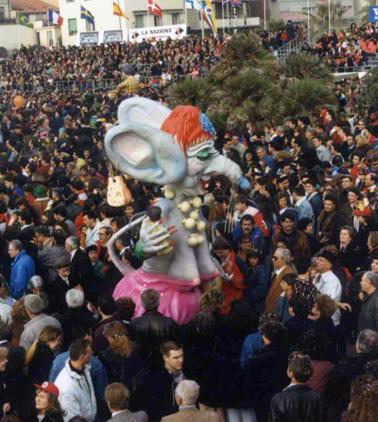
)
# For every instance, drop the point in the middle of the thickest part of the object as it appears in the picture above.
(161, 33)
(102, 37)
(158, 32)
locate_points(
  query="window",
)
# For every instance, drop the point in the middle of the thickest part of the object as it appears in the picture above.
(139, 21)
(2, 13)
(50, 41)
(175, 18)
(158, 21)
(72, 27)
(89, 26)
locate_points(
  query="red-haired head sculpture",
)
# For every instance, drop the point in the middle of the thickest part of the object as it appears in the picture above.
(189, 126)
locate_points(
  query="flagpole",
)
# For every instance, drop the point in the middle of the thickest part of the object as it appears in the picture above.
(148, 16)
(223, 17)
(185, 14)
(119, 17)
(202, 24)
(228, 17)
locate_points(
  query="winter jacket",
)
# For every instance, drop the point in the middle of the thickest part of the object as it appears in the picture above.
(77, 396)
(296, 403)
(257, 282)
(96, 368)
(368, 318)
(22, 269)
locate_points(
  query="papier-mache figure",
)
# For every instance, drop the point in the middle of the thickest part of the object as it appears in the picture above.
(175, 149)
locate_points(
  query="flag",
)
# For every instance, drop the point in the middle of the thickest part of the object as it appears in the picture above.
(118, 11)
(193, 4)
(54, 18)
(209, 15)
(87, 15)
(23, 19)
(154, 8)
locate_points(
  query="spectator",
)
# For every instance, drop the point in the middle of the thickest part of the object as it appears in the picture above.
(326, 281)
(117, 398)
(97, 370)
(77, 315)
(364, 393)
(81, 268)
(38, 320)
(155, 394)
(281, 263)
(152, 329)
(23, 268)
(47, 404)
(186, 395)
(40, 356)
(76, 393)
(368, 318)
(297, 402)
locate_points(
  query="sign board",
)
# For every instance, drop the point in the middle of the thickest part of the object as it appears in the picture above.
(89, 38)
(102, 37)
(373, 14)
(113, 36)
(160, 33)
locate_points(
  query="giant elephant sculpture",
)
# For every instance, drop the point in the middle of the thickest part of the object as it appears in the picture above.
(175, 149)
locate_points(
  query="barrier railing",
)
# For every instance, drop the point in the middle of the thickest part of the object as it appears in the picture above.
(95, 85)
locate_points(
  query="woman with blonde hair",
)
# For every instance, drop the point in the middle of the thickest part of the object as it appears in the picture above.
(118, 358)
(40, 356)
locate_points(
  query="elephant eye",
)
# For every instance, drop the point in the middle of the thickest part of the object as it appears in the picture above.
(204, 154)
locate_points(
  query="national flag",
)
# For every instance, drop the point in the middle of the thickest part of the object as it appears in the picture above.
(87, 15)
(54, 18)
(118, 11)
(209, 15)
(23, 19)
(193, 4)
(154, 8)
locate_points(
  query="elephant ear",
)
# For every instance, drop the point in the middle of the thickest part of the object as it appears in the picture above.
(145, 153)
(141, 110)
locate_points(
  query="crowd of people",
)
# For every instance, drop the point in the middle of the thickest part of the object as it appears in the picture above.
(287, 332)
(345, 50)
(153, 63)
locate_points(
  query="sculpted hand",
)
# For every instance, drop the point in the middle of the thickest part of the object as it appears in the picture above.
(155, 238)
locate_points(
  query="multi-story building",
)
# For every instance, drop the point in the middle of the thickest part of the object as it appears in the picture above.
(136, 10)
(4, 10)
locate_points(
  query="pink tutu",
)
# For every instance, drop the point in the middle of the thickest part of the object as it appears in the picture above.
(179, 299)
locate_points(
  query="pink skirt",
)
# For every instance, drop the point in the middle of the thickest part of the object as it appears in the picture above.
(179, 299)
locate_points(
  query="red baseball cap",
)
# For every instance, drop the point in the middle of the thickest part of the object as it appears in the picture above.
(48, 387)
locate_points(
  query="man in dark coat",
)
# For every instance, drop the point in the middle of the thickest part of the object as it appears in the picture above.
(81, 268)
(57, 289)
(297, 402)
(368, 318)
(152, 329)
(265, 372)
(154, 390)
